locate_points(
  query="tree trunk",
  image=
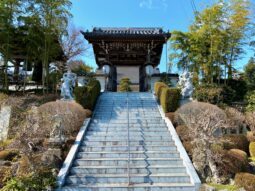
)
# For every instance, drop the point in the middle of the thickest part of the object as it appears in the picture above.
(16, 71)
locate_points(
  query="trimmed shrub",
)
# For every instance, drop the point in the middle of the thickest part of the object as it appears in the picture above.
(235, 142)
(252, 149)
(158, 88)
(245, 180)
(169, 99)
(87, 95)
(239, 154)
(125, 85)
(214, 94)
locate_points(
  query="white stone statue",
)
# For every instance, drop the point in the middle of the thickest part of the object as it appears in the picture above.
(185, 83)
(68, 83)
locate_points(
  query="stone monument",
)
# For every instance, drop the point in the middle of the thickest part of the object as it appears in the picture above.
(185, 83)
(68, 83)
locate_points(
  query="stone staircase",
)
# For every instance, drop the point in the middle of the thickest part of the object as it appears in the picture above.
(127, 146)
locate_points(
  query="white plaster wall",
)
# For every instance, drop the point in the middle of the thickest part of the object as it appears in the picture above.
(132, 72)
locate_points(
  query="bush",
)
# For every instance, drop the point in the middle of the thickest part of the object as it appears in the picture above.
(235, 142)
(169, 99)
(239, 154)
(194, 110)
(214, 94)
(252, 149)
(158, 88)
(125, 85)
(251, 102)
(87, 95)
(245, 180)
(230, 162)
(250, 136)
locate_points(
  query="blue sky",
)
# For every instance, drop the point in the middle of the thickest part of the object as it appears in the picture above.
(169, 14)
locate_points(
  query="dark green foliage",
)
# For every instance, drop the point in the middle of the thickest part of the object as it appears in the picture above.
(245, 180)
(249, 74)
(169, 99)
(87, 95)
(158, 88)
(125, 85)
(251, 101)
(214, 94)
(240, 88)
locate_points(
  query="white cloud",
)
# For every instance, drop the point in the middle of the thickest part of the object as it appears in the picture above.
(153, 4)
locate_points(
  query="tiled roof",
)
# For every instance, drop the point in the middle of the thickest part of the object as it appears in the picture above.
(141, 31)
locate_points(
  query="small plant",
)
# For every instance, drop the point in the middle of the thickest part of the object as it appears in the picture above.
(125, 85)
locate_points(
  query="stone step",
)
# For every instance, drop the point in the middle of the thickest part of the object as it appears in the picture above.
(131, 129)
(123, 169)
(125, 138)
(115, 148)
(123, 133)
(132, 121)
(133, 154)
(124, 161)
(124, 143)
(131, 187)
(123, 178)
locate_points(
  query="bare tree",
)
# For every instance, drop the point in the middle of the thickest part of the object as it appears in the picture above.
(74, 44)
(204, 122)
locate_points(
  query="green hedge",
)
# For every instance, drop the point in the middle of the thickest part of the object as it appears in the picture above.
(169, 99)
(214, 94)
(245, 180)
(87, 95)
(158, 88)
